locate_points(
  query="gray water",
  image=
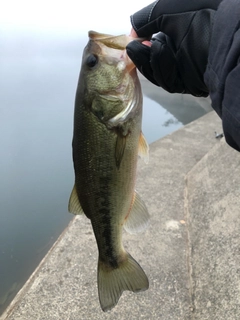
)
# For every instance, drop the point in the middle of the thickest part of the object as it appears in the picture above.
(38, 77)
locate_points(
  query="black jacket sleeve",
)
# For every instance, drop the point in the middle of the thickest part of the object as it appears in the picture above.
(222, 75)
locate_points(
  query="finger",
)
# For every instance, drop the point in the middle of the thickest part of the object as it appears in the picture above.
(140, 54)
(164, 64)
(133, 33)
(147, 43)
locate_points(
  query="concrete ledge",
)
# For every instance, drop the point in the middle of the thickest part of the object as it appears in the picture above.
(64, 286)
(213, 202)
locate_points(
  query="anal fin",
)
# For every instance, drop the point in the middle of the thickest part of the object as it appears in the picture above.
(138, 218)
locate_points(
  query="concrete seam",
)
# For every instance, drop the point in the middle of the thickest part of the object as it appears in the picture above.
(189, 247)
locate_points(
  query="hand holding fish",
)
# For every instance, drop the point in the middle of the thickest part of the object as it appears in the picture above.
(176, 58)
(196, 52)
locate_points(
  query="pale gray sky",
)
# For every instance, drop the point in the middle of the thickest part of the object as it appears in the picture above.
(70, 15)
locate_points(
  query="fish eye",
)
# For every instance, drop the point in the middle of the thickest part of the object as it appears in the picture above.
(92, 60)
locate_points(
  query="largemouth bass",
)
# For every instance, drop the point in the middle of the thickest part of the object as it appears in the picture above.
(107, 140)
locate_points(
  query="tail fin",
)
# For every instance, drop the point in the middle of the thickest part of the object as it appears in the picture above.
(113, 281)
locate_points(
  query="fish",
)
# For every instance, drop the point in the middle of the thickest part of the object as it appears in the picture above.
(107, 140)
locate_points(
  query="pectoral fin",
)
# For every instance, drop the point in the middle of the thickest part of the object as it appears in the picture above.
(138, 218)
(119, 149)
(143, 150)
(74, 205)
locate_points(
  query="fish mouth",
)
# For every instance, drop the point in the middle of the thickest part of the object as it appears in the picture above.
(114, 42)
(129, 63)
(118, 43)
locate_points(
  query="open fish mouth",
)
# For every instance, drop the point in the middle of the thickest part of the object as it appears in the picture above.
(118, 43)
(114, 47)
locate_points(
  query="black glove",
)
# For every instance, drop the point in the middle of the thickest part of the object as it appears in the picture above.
(177, 58)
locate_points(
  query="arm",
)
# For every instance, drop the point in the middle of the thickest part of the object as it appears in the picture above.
(178, 54)
(222, 75)
(196, 52)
